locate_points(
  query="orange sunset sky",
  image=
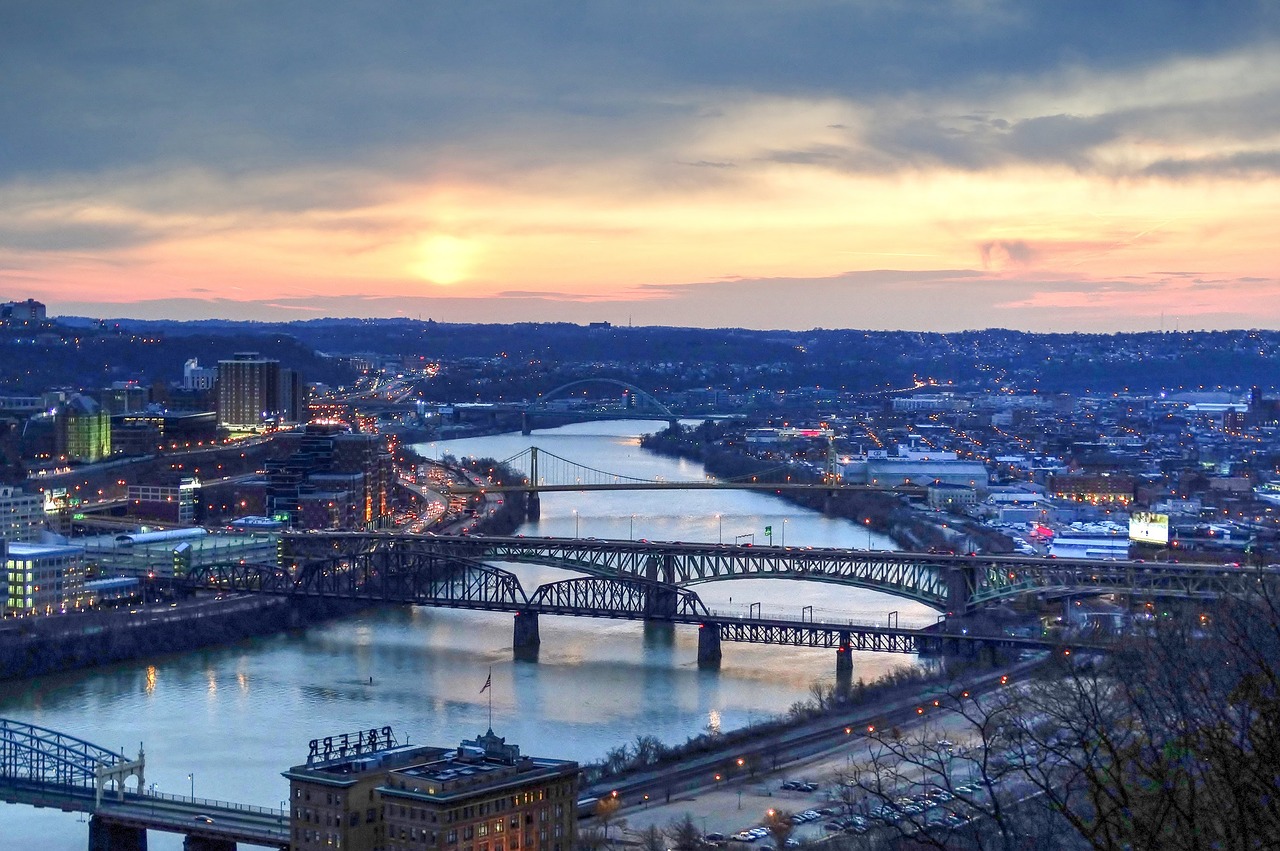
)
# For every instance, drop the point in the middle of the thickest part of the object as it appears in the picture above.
(1081, 166)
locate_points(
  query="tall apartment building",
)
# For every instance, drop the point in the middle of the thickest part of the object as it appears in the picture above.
(254, 391)
(248, 391)
(481, 796)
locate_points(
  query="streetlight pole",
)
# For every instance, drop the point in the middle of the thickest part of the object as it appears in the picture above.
(631, 536)
(784, 532)
(720, 520)
(575, 523)
(192, 778)
(867, 522)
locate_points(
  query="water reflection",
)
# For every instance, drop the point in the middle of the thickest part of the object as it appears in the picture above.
(594, 686)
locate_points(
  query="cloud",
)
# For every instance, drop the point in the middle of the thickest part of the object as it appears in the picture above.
(1242, 164)
(934, 300)
(1002, 252)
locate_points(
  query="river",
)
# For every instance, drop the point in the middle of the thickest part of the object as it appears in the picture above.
(235, 717)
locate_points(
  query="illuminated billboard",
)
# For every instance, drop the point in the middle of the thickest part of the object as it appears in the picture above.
(1148, 528)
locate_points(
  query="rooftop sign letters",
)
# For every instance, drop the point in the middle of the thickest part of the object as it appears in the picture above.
(351, 744)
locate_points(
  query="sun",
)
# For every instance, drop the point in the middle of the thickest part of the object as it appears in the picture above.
(444, 259)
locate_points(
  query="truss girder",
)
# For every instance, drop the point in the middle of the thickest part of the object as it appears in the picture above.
(946, 582)
(399, 574)
(40, 755)
(904, 578)
(1115, 577)
(613, 597)
(819, 636)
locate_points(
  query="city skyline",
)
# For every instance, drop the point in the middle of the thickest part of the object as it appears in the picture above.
(874, 165)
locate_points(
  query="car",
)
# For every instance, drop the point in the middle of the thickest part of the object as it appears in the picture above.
(811, 815)
(808, 787)
(790, 785)
(713, 837)
(743, 837)
(202, 818)
(832, 826)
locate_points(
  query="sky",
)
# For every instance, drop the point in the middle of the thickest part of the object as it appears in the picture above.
(1093, 165)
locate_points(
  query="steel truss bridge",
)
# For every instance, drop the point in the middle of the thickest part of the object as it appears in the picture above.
(949, 583)
(653, 582)
(47, 768)
(395, 569)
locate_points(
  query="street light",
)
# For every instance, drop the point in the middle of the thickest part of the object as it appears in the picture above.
(192, 778)
(783, 542)
(631, 536)
(720, 520)
(868, 525)
(575, 523)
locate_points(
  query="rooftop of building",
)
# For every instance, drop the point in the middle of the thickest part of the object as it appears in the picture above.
(430, 772)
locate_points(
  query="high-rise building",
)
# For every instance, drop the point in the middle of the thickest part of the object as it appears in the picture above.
(248, 391)
(21, 515)
(481, 796)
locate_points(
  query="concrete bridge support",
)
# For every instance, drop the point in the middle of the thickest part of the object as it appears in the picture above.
(525, 640)
(958, 590)
(204, 843)
(844, 667)
(532, 505)
(709, 645)
(661, 568)
(108, 836)
(526, 428)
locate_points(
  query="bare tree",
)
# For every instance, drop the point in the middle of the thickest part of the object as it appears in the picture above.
(778, 823)
(1172, 742)
(683, 834)
(606, 812)
(651, 838)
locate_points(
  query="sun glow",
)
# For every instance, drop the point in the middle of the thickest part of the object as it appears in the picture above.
(444, 259)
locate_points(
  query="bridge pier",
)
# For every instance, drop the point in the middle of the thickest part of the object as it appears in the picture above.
(709, 645)
(958, 585)
(205, 843)
(108, 836)
(844, 667)
(525, 639)
(525, 428)
(532, 505)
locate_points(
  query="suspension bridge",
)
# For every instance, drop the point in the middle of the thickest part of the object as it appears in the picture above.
(542, 471)
(47, 768)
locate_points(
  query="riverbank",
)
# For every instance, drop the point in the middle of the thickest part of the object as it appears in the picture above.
(885, 513)
(37, 646)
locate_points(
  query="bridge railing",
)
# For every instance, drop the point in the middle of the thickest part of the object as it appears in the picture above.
(208, 803)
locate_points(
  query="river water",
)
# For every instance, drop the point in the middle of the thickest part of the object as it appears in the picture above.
(235, 717)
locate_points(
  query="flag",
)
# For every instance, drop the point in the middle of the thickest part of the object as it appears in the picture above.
(488, 681)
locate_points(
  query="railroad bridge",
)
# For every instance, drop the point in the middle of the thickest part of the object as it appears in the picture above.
(952, 584)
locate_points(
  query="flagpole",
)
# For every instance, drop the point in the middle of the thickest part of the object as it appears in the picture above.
(490, 699)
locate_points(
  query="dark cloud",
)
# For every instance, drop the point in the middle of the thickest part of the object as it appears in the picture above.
(239, 86)
(1243, 164)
